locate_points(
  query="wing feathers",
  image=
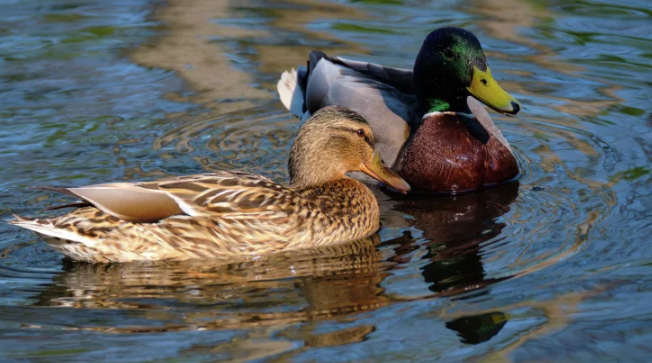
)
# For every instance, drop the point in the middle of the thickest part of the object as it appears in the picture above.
(128, 202)
(232, 193)
(225, 194)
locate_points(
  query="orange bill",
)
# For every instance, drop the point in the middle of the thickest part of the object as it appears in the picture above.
(379, 171)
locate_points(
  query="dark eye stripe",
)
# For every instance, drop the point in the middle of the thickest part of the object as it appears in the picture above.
(366, 138)
(346, 129)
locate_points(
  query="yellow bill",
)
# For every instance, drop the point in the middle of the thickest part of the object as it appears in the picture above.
(379, 171)
(485, 88)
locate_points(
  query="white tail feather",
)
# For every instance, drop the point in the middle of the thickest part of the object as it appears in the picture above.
(290, 92)
(49, 230)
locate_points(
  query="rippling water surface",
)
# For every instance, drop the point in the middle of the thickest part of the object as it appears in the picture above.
(554, 267)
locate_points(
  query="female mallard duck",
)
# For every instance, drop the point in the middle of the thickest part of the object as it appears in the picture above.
(425, 127)
(232, 213)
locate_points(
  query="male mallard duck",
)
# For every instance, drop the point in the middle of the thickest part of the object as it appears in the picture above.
(232, 213)
(425, 127)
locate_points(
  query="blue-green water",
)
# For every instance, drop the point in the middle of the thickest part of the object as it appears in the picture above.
(554, 268)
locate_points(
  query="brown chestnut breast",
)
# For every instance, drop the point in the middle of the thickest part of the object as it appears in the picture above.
(444, 156)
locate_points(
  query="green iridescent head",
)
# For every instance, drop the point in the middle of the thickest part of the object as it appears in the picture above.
(452, 66)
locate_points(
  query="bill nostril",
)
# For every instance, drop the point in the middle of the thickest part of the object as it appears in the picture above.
(515, 107)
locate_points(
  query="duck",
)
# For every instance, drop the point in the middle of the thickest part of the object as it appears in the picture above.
(430, 123)
(230, 213)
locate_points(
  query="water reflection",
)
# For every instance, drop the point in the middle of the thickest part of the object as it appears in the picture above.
(297, 286)
(266, 295)
(476, 329)
(456, 228)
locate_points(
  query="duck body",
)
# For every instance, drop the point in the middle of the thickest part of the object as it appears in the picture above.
(229, 214)
(226, 214)
(458, 149)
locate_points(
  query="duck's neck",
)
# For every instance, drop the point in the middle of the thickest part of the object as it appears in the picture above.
(339, 192)
(348, 204)
(436, 91)
(438, 104)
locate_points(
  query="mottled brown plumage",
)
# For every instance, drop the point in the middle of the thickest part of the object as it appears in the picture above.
(465, 161)
(232, 213)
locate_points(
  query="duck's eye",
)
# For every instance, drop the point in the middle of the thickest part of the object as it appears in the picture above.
(448, 53)
(361, 133)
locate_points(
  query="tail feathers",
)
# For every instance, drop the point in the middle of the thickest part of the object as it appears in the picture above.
(33, 224)
(286, 87)
(290, 91)
(20, 219)
(52, 234)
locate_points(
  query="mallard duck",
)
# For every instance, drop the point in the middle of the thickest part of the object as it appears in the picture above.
(232, 213)
(428, 125)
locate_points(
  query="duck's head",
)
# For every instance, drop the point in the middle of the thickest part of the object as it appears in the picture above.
(333, 142)
(452, 66)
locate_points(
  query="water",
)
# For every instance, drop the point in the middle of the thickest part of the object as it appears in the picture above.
(555, 267)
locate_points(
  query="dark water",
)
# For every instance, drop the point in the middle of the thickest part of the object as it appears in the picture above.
(556, 267)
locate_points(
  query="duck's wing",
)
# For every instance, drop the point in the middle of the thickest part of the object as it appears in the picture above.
(228, 195)
(388, 110)
(223, 193)
(399, 78)
(125, 201)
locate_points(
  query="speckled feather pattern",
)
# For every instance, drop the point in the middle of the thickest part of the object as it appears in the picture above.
(233, 214)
